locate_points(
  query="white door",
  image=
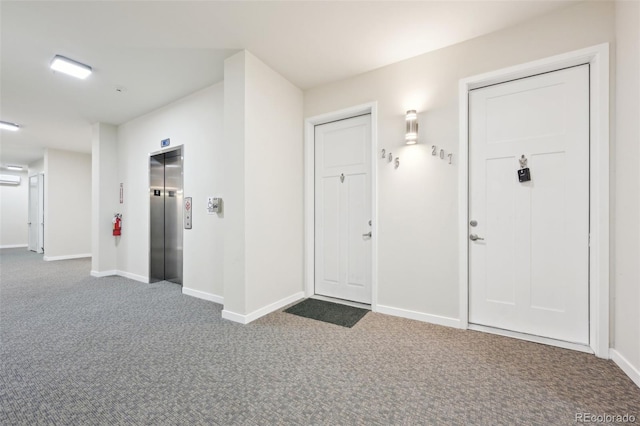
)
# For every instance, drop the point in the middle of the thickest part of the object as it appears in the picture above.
(33, 213)
(343, 209)
(530, 273)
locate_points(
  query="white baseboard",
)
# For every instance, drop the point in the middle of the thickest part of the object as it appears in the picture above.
(533, 338)
(419, 316)
(246, 319)
(67, 257)
(625, 365)
(103, 273)
(134, 277)
(14, 246)
(232, 316)
(203, 295)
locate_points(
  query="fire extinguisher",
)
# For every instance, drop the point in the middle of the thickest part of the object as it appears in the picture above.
(117, 224)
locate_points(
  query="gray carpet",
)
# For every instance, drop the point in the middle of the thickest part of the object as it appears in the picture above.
(80, 350)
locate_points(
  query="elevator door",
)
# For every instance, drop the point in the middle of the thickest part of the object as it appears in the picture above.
(165, 192)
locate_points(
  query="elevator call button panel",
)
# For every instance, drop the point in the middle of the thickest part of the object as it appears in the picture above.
(188, 209)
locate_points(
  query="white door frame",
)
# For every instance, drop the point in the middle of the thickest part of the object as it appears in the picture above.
(309, 193)
(34, 226)
(41, 224)
(598, 58)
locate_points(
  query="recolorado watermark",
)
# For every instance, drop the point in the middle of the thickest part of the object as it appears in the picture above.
(604, 418)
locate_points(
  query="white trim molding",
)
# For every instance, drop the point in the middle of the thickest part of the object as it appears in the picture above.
(246, 319)
(123, 274)
(625, 366)
(102, 274)
(232, 316)
(598, 59)
(134, 277)
(309, 193)
(67, 257)
(419, 316)
(532, 338)
(14, 246)
(203, 295)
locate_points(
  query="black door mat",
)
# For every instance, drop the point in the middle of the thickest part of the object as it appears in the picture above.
(334, 313)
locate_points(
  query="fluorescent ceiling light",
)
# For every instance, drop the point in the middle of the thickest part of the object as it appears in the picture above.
(71, 67)
(9, 126)
(16, 168)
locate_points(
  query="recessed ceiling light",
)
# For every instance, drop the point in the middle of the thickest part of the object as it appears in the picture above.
(9, 126)
(16, 168)
(71, 67)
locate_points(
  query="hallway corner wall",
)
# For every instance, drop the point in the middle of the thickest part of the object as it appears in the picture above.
(625, 228)
(67, 204)
(274, 186)
(264, 183)
(104, 202)
(195, 122)
(14, 211)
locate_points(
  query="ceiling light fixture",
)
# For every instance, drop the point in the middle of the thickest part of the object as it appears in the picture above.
(70, 67)
(9, 126)
(16, 168)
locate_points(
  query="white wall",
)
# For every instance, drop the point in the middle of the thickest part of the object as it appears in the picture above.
(36, 167)
(14, 211)
(273, 184)
(626, 228)
(105, 194)
(67, 204)
(234, 168)
(264, 237)
(195, 122)
(417, 216)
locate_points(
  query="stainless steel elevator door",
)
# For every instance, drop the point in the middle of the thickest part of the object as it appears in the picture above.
(173, 217)
(156, 206)
(166, 195)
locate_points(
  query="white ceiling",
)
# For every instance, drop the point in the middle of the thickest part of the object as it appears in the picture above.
(161, 51)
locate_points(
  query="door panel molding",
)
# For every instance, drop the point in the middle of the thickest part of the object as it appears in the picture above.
(309, 192)
(598, 58)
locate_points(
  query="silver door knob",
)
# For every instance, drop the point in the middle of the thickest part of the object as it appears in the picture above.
(474, 237)
(368, 234)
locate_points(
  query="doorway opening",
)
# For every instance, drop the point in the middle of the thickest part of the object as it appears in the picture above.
(36, 213)
(341, 206)
(597, 58)
(165, 224)
(529, 205)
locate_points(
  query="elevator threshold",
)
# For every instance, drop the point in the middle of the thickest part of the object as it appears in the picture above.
(165, 282)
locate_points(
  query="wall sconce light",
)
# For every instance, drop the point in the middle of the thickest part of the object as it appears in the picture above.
(412, 127)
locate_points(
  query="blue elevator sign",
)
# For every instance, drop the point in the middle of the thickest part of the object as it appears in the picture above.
(165, 143)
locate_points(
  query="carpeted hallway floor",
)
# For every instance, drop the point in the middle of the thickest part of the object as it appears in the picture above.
(81, 350)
